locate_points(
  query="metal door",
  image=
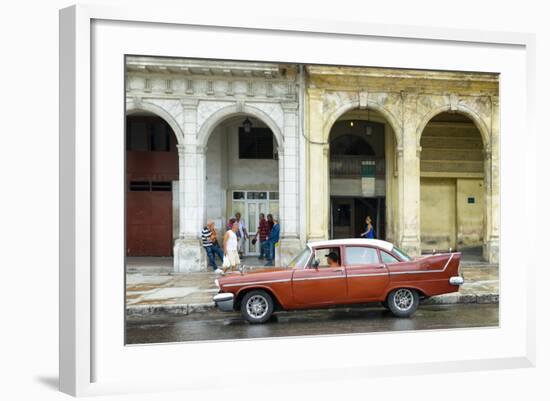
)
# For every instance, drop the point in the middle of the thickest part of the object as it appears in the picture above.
(149, 220)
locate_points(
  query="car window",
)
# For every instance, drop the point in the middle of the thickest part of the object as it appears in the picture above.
(322, 253)
(361, 255)
(301, 259)
(402, 254)
(387, 258)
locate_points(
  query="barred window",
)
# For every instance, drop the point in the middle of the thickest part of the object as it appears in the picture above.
(256, 144)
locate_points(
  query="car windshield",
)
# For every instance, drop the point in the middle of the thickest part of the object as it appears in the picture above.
(301, 259)
(402, 255)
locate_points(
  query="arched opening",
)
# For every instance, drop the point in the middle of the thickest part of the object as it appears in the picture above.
(242, 174)
(151, 182)
(361, 166)
(452, 186)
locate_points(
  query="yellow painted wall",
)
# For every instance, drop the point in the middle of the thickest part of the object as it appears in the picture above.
(470, 220)
(438, 213)
(452, 169)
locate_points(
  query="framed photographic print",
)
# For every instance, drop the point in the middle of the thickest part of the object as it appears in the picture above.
(281, 187)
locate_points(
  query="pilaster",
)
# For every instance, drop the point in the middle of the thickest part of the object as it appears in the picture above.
(188, 253)
(318, 191)
(492, 248)
(409, 164)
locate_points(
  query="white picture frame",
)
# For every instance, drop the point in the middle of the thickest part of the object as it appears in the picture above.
(93, 358)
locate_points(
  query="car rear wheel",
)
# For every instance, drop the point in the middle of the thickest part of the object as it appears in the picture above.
(257, 306)
(402, 302)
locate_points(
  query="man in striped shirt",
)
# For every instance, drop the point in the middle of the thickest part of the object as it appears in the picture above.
(209, 238)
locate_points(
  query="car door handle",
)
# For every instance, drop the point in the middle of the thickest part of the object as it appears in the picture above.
(340, 269)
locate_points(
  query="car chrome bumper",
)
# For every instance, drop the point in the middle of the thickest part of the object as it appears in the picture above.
(224, 301)
(456, 280)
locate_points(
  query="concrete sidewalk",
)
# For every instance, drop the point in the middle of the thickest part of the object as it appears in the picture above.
(151, 289)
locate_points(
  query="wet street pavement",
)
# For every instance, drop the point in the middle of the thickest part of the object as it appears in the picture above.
(223, 326)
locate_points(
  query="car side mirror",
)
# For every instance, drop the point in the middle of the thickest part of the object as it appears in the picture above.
(316, 264)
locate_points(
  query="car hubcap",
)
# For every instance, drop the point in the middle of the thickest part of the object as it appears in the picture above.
(256, 306)
(403, 299)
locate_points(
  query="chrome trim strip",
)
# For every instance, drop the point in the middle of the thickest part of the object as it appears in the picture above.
(426, 271)
(367, 274)
(256, 282)
(318, 278)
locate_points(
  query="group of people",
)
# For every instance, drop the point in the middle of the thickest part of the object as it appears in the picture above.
(231, 249)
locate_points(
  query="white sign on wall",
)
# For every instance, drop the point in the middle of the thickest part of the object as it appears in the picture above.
(368, 181)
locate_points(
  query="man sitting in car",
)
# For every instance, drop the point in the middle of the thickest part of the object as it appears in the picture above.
(332, 260)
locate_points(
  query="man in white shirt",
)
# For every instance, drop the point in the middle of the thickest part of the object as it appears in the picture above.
(242, 234)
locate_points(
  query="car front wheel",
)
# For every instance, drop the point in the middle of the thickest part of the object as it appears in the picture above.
(403, 302)
(257, 306)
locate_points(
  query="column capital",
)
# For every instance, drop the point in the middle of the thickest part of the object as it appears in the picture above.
(189, 104)
(399, 150)
(315, 93)
(191, 148)
(289, 106)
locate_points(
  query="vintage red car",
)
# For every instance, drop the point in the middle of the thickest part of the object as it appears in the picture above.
(340, 272)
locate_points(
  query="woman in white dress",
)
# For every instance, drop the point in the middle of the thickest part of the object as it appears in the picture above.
(231, 248)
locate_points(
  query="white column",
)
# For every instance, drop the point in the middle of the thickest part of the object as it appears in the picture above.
(492, 190)
(409, 173)
(188, 253)
(318, 189)
(289, 184)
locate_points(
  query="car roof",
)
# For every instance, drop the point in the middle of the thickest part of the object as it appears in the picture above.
(387, 246)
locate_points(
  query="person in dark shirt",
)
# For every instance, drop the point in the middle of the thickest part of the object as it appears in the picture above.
(261, 234)
(272, 240)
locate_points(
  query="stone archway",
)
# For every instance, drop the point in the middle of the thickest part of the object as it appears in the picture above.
(361, 174)
(242, 174)
(459, 108)
(341, 109)
(136, 105)
(151, 179)
(237, 110)
(455, 182)
(326, 108)
(281, 119)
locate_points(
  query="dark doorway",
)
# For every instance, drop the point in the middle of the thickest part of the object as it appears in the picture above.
(348, 216)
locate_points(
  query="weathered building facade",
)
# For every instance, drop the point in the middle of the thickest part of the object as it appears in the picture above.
(441, 165)
(320, 146)
(204, 103)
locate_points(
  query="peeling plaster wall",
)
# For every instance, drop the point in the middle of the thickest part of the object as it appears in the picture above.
(470, 217)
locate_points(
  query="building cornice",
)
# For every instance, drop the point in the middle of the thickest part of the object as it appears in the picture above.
(205, 68)
(373, 72)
